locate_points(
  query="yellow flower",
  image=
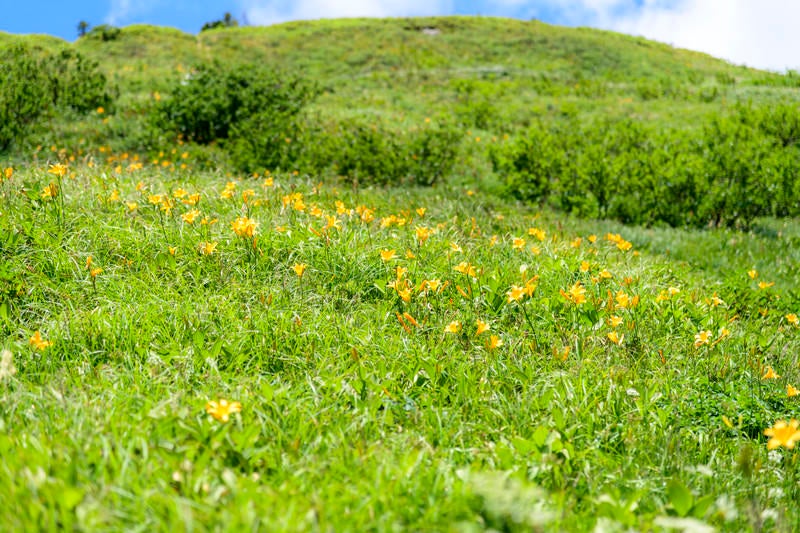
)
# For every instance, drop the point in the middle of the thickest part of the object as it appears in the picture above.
(770, 374)
(753, 273)
(783, 434)
(388, 255)
(515, 294)
(791, 391)
(299, 269)
(208, 248)
(704, 337)
(615, 338)
(791, 318)
(615, 321)
(172, 250)
(576, 242)
(453, 327)
(585, 266)
(38, 342)
(592, 238)
(423, 233)
(622, 299)
(190, 216)
(58, 169)
(95, 271)
(576, 293)
(765, 284)
(466, 269)
(223, 409)
(537, 233)
(132, 206)
(421, 211)
(494, 342)
(519, 244)
(244, 227)
(482, 327)
(8, 172)
(49, 192)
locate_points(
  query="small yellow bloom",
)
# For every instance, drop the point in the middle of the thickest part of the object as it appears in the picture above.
(576, 242)
(765, 284)
(299, 269)
(481, 327)
(791, 391)
(466, 269)
(615, 338)
(423, 233)
(453, 327)
(519, 244)
(132, 206)
(388, 255)
(58, 169)
(244, 227)
(702, 338)
(494, 342)
(615, 321)
(95, 271)
(783, 434)
(208, 248)
(585, 266)
(515, 294)
(51, 191)
(576, 293)
(172, 250)
(190, 216)
(38, 342)
(8, 172)
(791, 318)
(223, 409)
(753, 273)
(770, 374)
(537, 233)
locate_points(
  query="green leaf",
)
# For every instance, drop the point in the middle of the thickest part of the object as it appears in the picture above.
(680, 497)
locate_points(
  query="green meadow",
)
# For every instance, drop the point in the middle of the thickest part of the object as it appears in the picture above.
(449, 274)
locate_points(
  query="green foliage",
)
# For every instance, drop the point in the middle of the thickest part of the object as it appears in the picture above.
(211, 101)
(366, 152)
(736, 168)
(104, 33)
(39, 84)
(227, 21)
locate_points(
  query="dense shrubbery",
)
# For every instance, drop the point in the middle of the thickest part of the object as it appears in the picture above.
(257, 116)
(36, 84)
(214, 100)
(737, 167)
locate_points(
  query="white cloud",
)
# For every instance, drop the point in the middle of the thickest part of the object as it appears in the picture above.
(262, 12)
(758, 33)
(121, 11)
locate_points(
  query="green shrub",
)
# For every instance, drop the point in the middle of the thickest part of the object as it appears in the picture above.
(215, 99)
(736, 168)
(37, 85)
(366, 152)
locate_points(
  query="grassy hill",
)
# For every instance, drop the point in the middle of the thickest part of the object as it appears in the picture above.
(315, 346)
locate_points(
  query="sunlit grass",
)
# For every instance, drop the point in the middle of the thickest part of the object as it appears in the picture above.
(228, 350)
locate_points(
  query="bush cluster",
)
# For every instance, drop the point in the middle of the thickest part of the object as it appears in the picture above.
(259, 117)
(737, 167)
(38, 84)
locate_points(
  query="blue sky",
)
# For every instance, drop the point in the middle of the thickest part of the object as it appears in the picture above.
(758, 33)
